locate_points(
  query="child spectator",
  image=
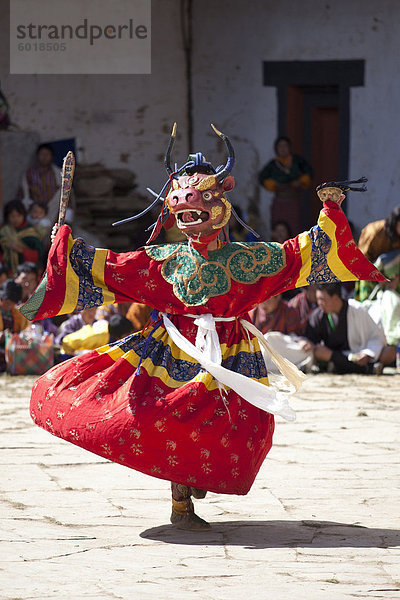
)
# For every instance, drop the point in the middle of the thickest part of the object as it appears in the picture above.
(19, 241)
(37, 216)
(238, 233)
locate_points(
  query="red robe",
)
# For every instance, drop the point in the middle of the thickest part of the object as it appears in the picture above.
(167, 418)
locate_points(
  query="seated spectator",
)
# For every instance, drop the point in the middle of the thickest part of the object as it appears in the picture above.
(76, 322)
(236, 231)
(27, 276)
(96, 335)
(343, 336)
(88, 337)
(93, 322)
(275, 314)
(139, 314)
(10, 317)
(385, 311)
(19, 241)
(304, 303)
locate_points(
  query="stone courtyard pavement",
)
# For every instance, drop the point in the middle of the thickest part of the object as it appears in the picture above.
(321, 521)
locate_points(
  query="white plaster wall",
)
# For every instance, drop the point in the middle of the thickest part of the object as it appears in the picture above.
(233, 38)
(122, 121)
(120, 118)
(16, 151)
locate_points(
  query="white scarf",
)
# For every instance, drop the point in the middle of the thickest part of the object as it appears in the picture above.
(207, 352)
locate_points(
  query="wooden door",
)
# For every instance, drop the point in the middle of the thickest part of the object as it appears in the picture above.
(313, 125)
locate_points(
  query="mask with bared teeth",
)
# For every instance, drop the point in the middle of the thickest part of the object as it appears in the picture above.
(195, 196)
(199, 204)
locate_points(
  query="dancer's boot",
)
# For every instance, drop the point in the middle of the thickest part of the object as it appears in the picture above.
(183, 515)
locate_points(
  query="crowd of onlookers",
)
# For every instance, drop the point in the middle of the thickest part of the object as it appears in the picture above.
(319, 328)
(343, 329)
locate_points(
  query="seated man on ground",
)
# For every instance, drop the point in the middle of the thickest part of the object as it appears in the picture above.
(280, 232)
(342, 335)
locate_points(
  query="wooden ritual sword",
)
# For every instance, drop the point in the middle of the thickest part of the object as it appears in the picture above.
(67, 175)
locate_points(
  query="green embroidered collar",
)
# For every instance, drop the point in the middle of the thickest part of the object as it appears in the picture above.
(196, 279)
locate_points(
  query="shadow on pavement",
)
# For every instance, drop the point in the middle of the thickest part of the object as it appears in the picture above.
(279, 534)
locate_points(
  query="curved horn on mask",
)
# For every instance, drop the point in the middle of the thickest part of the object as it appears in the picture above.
(167, 158)
(231, 155)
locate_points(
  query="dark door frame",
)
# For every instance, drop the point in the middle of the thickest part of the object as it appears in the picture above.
(342, 73)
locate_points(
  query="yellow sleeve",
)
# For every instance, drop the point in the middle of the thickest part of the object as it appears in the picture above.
(88, 337)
